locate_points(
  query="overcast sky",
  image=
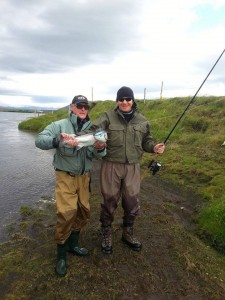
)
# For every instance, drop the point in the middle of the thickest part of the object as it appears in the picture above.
(51, 51)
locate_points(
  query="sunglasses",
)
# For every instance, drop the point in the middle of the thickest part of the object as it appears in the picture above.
(81, 106)
(127, 99)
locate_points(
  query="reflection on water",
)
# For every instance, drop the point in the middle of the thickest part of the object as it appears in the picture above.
(26, 171)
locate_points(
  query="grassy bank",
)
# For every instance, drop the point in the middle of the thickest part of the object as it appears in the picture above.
(193, 158)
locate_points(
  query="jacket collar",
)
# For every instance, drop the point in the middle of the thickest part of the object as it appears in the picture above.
(74, 120)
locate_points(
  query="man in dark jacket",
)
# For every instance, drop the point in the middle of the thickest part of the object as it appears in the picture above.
(128, 137)
(72, 169)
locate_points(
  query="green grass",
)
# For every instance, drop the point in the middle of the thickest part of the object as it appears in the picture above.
(39, 123)
(193, 158)
(213, 229)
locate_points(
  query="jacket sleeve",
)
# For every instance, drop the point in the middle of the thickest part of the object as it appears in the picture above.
(148, 141)
(46, 139)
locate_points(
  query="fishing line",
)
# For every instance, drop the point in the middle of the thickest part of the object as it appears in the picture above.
(177, 114)
(208, 103)
(154, 165)
(196, 107)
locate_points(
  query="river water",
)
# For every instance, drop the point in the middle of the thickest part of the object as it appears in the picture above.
(26, 172)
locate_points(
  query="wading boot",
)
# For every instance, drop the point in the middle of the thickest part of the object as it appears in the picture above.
(106, 239)
(61, 266)
(74, 246)
(129, 239)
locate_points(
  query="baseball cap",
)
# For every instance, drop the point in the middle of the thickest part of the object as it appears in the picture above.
(80, 99)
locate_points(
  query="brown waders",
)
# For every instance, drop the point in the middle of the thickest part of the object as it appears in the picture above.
(73, 213)
(119, 180)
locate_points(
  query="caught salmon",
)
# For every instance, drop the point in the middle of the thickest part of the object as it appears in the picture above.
(86, 139)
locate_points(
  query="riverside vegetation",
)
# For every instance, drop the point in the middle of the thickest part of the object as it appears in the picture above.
(185, 202)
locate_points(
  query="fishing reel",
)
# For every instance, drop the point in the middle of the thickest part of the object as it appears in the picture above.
(154, 166)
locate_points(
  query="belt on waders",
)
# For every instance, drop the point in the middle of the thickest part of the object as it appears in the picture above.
(69, 173)
(73, 175)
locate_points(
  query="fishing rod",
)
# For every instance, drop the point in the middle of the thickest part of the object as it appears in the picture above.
(154, 165)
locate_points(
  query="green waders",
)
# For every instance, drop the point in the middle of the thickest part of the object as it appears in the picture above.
(61, 266)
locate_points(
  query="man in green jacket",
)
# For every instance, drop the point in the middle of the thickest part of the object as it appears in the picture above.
(72, 170)
(128, 137)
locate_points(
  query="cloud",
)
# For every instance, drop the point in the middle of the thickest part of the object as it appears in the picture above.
(96, 46)
(51, 38)
(50, 99)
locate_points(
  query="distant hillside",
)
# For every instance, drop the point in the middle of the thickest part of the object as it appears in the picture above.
(25, 108)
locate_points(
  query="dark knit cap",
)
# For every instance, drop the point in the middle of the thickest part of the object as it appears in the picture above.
(79, 99)
(124, 92)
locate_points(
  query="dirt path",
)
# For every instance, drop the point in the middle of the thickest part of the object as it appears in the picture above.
(173, 264)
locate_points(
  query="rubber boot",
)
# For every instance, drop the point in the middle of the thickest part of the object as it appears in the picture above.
(106, 239)
(74, 246)
(129, 239)
(61, 266)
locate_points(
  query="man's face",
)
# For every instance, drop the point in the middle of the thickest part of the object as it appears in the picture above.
(125, 104)
(80, 110)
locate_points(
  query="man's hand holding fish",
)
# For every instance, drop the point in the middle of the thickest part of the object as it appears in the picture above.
(99, 145)
(69, 139)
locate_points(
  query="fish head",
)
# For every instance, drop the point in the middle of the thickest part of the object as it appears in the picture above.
(101, 136)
